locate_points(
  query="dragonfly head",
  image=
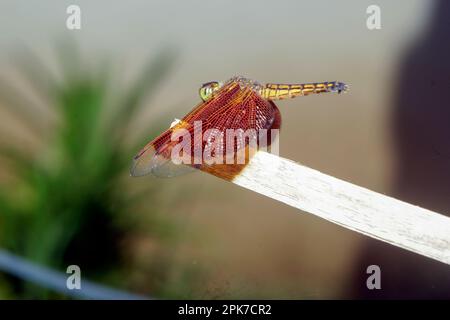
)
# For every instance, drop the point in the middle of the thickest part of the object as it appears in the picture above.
(207, 89)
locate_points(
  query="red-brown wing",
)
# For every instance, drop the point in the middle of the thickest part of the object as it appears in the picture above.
(231, 107)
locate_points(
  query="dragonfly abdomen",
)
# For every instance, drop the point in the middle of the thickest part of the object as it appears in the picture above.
(272, 91)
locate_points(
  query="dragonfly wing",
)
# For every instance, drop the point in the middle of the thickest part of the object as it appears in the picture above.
(163, 166)
(142, 162)
(232, 107)
(155, 158)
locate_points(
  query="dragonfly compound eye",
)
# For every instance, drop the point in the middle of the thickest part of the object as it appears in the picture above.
(206, 90)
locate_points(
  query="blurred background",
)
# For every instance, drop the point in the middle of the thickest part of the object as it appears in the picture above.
(76, 105)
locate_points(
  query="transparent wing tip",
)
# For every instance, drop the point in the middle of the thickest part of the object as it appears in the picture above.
(148, 161)
(142, 162)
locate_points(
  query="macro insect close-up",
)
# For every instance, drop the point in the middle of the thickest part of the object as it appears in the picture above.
(225, 155)
(238, 104)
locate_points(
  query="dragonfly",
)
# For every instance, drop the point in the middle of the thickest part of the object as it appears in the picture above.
(237, 104)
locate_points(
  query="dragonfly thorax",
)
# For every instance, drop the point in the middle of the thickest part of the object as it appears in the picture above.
(246, 83)
(207, 89)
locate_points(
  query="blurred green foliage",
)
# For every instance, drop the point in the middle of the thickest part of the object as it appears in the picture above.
(67, 199)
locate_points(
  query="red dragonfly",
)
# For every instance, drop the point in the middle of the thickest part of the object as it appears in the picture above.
(238, 104)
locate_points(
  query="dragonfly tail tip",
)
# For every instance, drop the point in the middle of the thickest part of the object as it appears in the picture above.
(341, 87)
